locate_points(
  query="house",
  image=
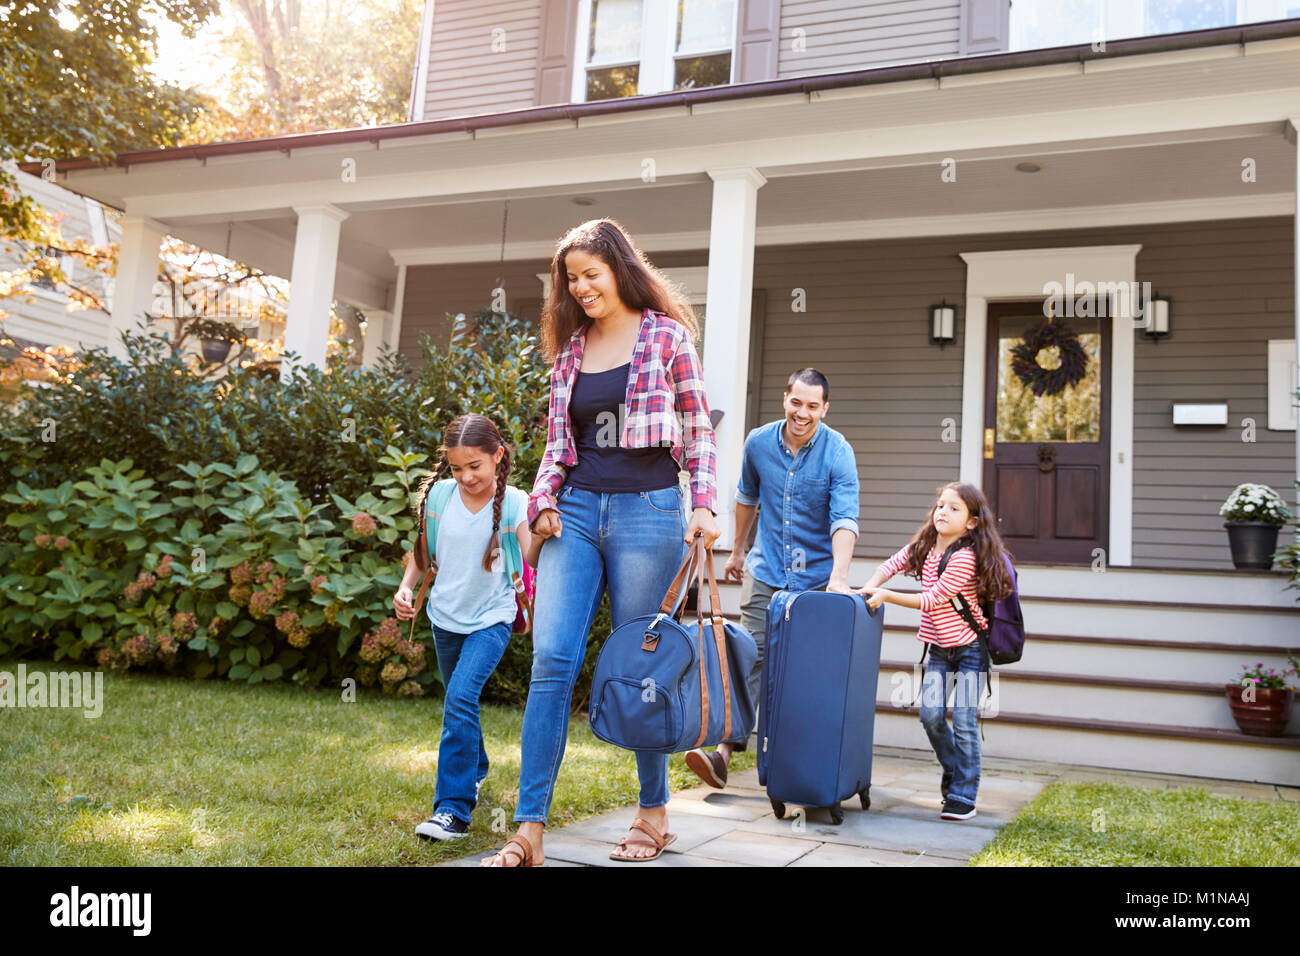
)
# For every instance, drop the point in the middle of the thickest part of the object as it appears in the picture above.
(892, 191)
(39, 315)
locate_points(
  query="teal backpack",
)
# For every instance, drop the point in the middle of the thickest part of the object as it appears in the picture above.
(512, 556)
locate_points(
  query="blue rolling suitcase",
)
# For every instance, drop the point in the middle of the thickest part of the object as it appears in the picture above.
(818, 708)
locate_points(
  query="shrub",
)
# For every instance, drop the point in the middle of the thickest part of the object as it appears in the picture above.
(240, 528)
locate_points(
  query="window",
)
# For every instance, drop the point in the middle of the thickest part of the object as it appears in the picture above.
(703, 42)
(43, 282)
(613, 49)
(628, 47)
(1039, 24)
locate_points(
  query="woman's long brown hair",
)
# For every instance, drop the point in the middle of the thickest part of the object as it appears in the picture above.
(468, 431)
(640, 285)
(992, 580)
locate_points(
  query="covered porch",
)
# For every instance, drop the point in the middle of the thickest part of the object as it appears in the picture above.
(816, 223)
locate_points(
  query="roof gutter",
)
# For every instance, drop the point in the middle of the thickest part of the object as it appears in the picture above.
(934, 69)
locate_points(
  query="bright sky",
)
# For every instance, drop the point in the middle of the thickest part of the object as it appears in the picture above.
(191, 62)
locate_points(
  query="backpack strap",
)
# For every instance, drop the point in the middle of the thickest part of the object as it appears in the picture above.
(959, 604)
(925, 649)
(435, 504)
(513, 512)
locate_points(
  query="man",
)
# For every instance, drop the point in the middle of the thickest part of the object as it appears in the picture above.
(801, 478)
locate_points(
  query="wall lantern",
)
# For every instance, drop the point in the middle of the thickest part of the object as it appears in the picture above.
(1157, 325)
(943, 324)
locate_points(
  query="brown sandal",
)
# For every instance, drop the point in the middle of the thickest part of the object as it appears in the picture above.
(506, 853)
(657, 840)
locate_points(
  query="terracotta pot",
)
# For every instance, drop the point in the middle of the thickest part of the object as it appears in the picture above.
(1252, 543)
(1266, 716)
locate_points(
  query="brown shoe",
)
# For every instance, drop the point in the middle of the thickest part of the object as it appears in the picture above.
(711, 768)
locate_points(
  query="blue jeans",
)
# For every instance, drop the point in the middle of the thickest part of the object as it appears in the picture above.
(466, 661)
(958, 749)
(631, 543)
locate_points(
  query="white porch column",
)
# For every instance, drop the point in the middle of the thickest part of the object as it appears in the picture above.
(311, 290)
(137, 271)
(377, 322)
(1293, 134)
(726, 353)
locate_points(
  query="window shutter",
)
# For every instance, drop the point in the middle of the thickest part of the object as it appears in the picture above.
(555, 52)
(759, 28)
(985, 26)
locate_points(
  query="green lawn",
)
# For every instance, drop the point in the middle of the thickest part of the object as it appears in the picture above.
(1107, 825)
(225, 774)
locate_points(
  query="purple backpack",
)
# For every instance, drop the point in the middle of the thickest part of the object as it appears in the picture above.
(1004, 638)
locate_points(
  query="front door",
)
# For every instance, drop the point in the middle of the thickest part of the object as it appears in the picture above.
(1046, 457)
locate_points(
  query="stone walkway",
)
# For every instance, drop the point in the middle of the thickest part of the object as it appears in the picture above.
(736, 826)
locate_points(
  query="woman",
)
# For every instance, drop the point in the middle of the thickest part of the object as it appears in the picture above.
(607, 503)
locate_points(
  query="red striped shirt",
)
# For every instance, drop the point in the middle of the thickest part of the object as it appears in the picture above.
(940, 622)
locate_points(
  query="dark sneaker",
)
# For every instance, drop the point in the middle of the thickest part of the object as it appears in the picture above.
(944, 784)
(954, 809)
(443, 826)
(711, 768)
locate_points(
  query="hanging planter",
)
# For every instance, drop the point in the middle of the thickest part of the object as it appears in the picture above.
(1049, 358)
(216, 337)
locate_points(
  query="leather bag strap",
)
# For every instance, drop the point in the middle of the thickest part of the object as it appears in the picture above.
(719, 639)
(697, 549)
(669, 604)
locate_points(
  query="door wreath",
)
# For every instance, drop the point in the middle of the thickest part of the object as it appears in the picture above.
(1056, 339)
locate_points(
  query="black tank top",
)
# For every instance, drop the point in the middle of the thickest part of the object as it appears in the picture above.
(602, 465)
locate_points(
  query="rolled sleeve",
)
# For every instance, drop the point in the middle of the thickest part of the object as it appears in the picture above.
(552, 472)
(701, 446)
(844, 504)
(747, 489)
(850, 523)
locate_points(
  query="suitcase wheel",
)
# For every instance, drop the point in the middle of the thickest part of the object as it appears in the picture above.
(865, 798)
(778, 808)
(837, 813)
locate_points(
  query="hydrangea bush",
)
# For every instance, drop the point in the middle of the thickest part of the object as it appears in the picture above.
(1251, 502)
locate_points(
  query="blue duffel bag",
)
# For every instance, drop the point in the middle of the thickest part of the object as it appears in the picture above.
(665, 687)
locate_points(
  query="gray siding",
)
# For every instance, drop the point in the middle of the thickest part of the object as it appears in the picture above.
(466, 75)
(891, 390)
(854, 35)
(1232, 290)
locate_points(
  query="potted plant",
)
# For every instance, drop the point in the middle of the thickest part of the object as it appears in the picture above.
(1254, 514)
(1261, 701)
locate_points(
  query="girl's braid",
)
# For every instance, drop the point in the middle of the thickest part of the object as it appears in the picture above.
(421, 553)
(503, 474)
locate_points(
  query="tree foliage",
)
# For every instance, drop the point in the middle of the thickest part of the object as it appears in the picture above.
(76, 83)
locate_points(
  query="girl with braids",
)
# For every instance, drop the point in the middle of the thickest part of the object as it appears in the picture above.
(627, 414)
(471, 605)
(961, 533)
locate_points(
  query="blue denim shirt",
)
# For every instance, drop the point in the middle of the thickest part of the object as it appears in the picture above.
(803, 500)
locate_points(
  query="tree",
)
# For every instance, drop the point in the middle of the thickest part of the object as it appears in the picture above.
(327, 65)
(76, 83)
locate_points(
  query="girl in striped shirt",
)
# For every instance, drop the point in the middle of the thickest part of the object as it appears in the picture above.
(961, 524)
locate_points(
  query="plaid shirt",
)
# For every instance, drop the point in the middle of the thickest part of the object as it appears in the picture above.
(665, 382)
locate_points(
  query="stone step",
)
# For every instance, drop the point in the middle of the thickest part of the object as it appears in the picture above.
(1130, 699)
(1201, 662)
(1152, 748)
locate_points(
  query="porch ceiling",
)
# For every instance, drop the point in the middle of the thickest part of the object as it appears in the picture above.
(989, 195)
